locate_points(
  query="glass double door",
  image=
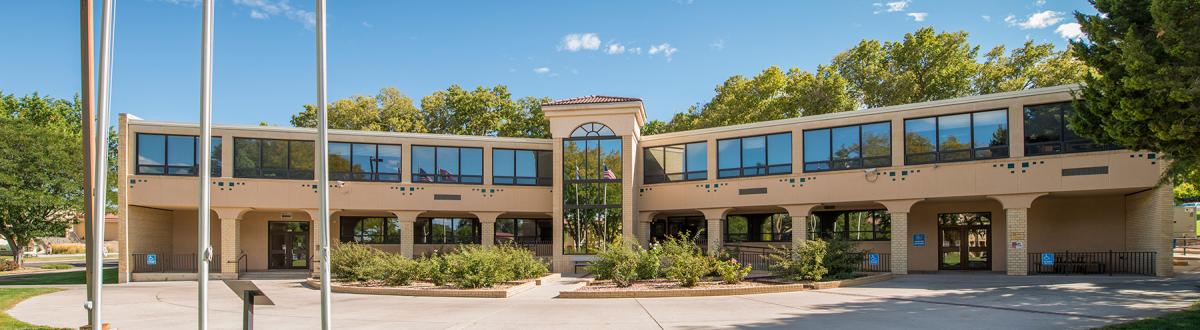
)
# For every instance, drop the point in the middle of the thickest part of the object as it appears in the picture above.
(287, 245)
(965, 241)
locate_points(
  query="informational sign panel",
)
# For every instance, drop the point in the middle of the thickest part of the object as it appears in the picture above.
(919, 239)
(1047, 259)
(873, 259)
(152, 259)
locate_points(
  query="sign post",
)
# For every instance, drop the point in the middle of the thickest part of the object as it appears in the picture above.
(251, 295)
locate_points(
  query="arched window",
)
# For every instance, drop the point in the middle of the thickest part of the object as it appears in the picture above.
(592, 129)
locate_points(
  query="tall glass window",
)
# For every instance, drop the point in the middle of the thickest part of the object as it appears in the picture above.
(958, 137)
(1046, 131)
(446, 231)
(592, 191)
(447, 164)
(868, 225)
(754, 155)
(524, 231)
(848, 147)
(522, 167)
(273, 159)
(680, 162)
(364, 161)
(769, 227)
(370, 230)
(160, 154)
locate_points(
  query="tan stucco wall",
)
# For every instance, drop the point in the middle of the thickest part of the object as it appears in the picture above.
(184, 234)
(1083, 224)
(923, 219)
(1185, 222)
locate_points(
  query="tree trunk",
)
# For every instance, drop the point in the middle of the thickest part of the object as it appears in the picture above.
(18, 253)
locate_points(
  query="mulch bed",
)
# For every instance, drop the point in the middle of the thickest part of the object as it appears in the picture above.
(665, 284)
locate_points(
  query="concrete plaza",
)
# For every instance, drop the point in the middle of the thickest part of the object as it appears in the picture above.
(913, 301)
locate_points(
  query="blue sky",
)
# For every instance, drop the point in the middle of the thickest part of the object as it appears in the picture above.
(671, 53)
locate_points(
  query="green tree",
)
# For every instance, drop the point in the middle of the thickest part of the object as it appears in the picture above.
(1031, 66)
(924, 66)
(390, 111)
(1146, 95)
(484, 111)
(1186, 192)
(41, 182)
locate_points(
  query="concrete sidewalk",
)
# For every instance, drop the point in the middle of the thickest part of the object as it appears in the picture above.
(978, 301)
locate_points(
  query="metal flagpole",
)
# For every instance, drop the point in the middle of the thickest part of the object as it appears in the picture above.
(95, 265)
(323, 171)
(203, 245)
(88, 123)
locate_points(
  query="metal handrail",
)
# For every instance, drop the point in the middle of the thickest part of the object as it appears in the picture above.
(240, 259)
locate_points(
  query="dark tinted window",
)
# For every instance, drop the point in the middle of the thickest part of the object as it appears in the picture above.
(848, 147)
(522, 167)
(174, 155)
(679, 162)
(364, 161)
(447, 164)
(1047, 132)
(447, 231)
(273, 159)
(370, 230)
(958, 137)
(755, 155)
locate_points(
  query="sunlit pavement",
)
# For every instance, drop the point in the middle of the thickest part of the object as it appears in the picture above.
(954, 300)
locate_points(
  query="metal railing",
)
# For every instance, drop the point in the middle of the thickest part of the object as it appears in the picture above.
(170, 263)
(882, 262)
(1111, 263)
(540, 249)
(1185, 245)
(243, 262)
(757, 257)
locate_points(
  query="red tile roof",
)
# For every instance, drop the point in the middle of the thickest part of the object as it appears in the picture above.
(593, 99)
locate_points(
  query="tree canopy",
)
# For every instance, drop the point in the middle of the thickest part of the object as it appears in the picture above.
(925, 65)
(1146, 95)
(482, 111)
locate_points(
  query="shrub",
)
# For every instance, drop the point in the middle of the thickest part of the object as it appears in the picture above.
(68, 248)
(842, 258)
(56, 266)
(618, 263)
(805, 263)
(649, 263)
(394, 269)
(523, 262)
(478, 267)
(730, 271)
(689, 268)
(355, 262)
(434, 269)
(8, 265)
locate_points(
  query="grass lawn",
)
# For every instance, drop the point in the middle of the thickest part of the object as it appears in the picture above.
(75, 277)
(12, 296)
(108, 256)
(1186, 319)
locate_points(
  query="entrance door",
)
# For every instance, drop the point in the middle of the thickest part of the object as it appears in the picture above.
(287, 245)
(965, 241)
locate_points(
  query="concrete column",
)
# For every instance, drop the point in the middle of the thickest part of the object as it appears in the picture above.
(716, 230)
(487, 220)
(1148, 222)
(898, 209)
(799, 214)
(231, 240)
(407, 234)
(643, 232)
(1017, 220)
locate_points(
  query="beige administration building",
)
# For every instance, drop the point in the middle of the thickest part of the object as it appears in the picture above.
(983, 183)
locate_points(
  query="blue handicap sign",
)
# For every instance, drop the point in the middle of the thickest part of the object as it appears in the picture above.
(151, 259)
(873, 259)
(1047, 259)
(919, 239)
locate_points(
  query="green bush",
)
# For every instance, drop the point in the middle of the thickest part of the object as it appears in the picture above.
(689, 268)
(435, 269)
(617, 263)
(649, 263)
(479, 267)
(842, 259)
(355, 262)
(730, 271)
(394, 269)
(805, 263)
(523, 262)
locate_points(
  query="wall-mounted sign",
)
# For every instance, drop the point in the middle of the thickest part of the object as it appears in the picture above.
(152, 259)
(1018, 244)
(873, 259)
(919, 239)
(1047, 259)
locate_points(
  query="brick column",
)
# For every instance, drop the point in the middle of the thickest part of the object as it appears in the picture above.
(899, 242)
(1148, 222)
(643, 227)
(1017, 220)
(716, 233)
(487, 220)
(799, 214)
(231, 240)
(407, 235)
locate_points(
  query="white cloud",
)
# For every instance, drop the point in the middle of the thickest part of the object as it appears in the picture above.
(891, 7)
(255, 14)
(1010, 19)
(636, 50)
(987, 18)
(1040, 3)
(665, 49)
(366, 24)
(719, 44)
(541, 70)
(580, 41)
(919, 17)
(1070, 31)
(1036, 20)
(264, 9)
(614, 49)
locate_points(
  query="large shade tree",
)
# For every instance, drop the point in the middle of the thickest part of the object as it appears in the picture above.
(1146, 95)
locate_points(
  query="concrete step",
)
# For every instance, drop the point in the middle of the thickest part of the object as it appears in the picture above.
(278, 275)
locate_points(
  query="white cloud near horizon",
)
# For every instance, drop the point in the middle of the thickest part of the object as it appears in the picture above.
(614, 49)
(265, 9)
(918, 17)
(580, 41)
(541, 70)
(665, 49)
(1037, 20)
(1070, 31)
(891, 7)
(986, 18)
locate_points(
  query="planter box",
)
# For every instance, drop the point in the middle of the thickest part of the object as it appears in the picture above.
(777, 288)
(463, 293)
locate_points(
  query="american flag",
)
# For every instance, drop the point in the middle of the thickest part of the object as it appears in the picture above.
(608, 174)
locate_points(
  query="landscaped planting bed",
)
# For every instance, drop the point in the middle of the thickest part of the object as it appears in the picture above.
(667, 288)
(492, 272)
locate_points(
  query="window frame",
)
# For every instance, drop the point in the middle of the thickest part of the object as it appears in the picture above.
(374, 174)
(354, 235)
(517, 238)
(1062, 141)
(426, 238)
(667, 175)
(777, 235)
(766, 156)
(845, 234)
(214, 170)
(862, 159)
(436, 177)
(538, 180)
(258, 169)
(937, 132)
(566, 181)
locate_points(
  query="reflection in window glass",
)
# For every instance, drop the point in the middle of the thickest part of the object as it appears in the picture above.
(592, 194)
(679, 162)
(816, 150)
(848, 147)
(978, 135)
(696, 161)
(364, 161)
(273, 159)
(768, 227)
(755, 155)
(174, 155)
(877, 145)
(869, 225)
(729, 158)
(370, 230)
(447, 231)
(1047, 131)
(919, 139)
(524, 231)
(447, 164)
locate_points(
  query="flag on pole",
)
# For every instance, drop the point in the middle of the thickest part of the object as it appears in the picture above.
(608, 174)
